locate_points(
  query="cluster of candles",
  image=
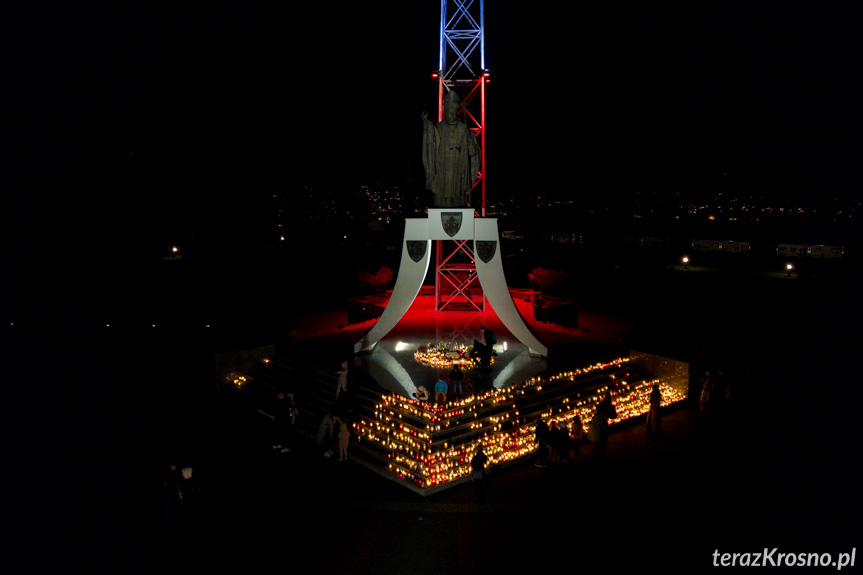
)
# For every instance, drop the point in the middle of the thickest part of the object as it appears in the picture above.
(406, 428)
(445, 356)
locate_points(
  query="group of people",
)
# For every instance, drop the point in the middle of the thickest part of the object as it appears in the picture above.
(557, 442)
(454, 384)
(718, 396)
(334, 436)
(334, 431)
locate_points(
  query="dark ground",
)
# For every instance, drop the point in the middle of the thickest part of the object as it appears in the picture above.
(92, 416)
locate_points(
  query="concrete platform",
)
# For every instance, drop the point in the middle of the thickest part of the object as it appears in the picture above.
(329, 340)
(391, 362)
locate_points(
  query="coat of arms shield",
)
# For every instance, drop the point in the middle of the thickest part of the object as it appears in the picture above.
(451, 222)
(417, 249)
(486, 250)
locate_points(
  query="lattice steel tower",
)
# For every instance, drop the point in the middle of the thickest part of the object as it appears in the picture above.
(461, 67)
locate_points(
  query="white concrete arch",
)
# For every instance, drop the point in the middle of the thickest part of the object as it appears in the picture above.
(451, 224)
(416, 255)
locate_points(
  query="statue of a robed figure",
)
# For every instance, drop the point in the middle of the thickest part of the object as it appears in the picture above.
(451, 156)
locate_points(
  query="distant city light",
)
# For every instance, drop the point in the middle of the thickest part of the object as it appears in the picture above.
(175, 249)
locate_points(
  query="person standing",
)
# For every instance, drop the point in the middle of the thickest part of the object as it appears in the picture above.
(476, 352)
(610, 412)
(456, 376)
(489, 340)
(477, 468)
(706, 390)
(553, 439)
(654, 415)
(541, 439)
(577, 434)
(285, 417)
(325, 434)
(172, 480)
(595, 429)
(563, 443)
(440, 389)
(598, 433)
(344, 440)
(294, 413)
(342, 385)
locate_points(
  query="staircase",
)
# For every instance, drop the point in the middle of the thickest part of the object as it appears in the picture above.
(429, 438)
(314, 393)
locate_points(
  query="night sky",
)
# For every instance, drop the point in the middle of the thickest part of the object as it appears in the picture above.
(130, 123)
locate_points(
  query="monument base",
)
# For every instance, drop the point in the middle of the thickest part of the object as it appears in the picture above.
(460, 225)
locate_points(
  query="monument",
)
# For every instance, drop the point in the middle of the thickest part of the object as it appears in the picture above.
(450, 157)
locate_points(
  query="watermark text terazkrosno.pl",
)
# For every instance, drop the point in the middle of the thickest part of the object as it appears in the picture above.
(775, 558)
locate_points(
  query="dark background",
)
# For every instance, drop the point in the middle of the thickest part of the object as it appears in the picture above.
(130, 128)
(132, 124)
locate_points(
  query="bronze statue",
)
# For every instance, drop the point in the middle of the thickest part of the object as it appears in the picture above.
(451, 156)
